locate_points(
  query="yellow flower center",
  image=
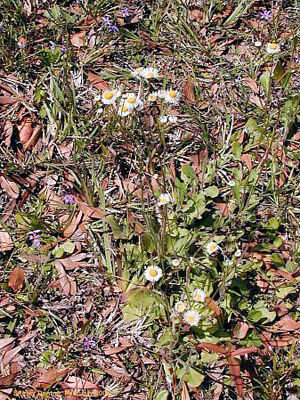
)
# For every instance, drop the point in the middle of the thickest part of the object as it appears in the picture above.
(190, 319)
(150, 74)
(172, 94)
(180, 308)
(152, 97)
(108, 95)
(198, 296)
(130, 100)
(273, 46)
(124, 109)
(163, 200)
(213, 247)
(153, 273)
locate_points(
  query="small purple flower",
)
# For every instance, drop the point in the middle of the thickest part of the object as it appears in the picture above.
(107, 21)
(266, 15)
(125, 12)
(63, 48)
(52, 45)
(69, 199)
(113, 29)
(35, 237)
(88, 342)
(21, 45)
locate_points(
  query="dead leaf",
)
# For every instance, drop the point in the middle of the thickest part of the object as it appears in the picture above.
(285, 325)
(97, 82)
(10, 355)
(25, 129)
(212, 347)
(257, 101)
(223, 208)
(16, 279)
(71, 228)
(251, 84)
(235, 372)
(5, 394)
(50, 377)
(212, 305)
(91, 212)
(74, 261)
(246, 158)
(33, 137)
(78, 39)
(188, 91)
(10, 187)
(6, 132)
(5, 241)
(67, 283)
(240, 331)
(74, 382)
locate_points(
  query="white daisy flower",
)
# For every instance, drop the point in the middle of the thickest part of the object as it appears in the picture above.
(180, 306)
(140, 105)
(172, 96)
(163, 199)
(272, 48)
(137, 72)
(231, 183)
(175, 262)
(153, 273)
(199, 295)
(258, 43)
(110, 96)
(163, 119)
(152, 97)
(161, 94)
(211, 247)
(238, 253)
(192, 317)
(149, 73)
(173, 119)
(124, 110)
(130, 100)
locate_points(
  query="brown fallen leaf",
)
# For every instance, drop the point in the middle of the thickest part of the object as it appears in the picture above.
(74, 382)
(223, 208)
(6, 342)
(6, 132)
(67, 283)
(78, 39)
(74, 261)
(257, 101)
(285, 325)
(9, 355)
(25, 130)
(240, 331)
(251, 84)
(212, 305)
(50, 377)
(71, 228)
(91, 212)
(246, 158)
(97, 82)
(5, 241)
(188, 91)
(10, 187)
(5, 394)
(33, 137)
(8, 99)
(16, 279)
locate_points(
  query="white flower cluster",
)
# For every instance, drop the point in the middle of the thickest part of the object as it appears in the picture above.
(131, 101)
